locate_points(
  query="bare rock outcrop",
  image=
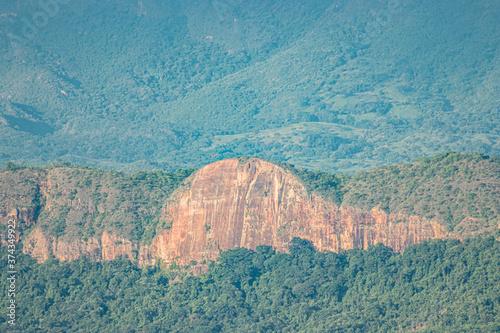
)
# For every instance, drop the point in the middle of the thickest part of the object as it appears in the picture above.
(232, 204)
(228, 204)
(107, 247)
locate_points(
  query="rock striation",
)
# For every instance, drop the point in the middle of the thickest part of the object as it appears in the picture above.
(232, 204)
(228, 204)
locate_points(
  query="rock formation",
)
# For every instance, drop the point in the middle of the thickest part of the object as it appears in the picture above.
(228, 204)
(232, 204)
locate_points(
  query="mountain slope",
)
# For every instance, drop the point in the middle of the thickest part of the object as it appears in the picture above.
(330, 85)
(71, 212)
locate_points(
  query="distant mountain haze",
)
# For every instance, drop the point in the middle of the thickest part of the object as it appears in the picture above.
(329, 85)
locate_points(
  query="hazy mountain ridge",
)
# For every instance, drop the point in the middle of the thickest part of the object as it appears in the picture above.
(187, 85)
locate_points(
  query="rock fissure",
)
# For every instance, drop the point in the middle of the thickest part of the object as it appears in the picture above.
(231, 204)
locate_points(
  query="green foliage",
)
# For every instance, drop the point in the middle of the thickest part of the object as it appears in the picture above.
(11, 166)
(323, 84)
(435, 286)
(58, 224)
(60, 164)
(459, 190)
(329, 186)
(85, 201)
(300, 246)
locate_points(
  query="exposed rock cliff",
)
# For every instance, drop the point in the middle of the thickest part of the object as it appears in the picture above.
(232, 204)
(107, 247)
(238, 203)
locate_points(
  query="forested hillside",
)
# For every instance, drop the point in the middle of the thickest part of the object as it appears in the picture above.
(461, 192)
(324, 84)
(141, 136)
(80, 202)
(435, 286)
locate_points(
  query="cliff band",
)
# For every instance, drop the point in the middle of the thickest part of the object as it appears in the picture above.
(232, 204)
(228, 204)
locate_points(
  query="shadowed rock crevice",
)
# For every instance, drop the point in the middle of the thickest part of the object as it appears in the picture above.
(237, 203)
(246, 204)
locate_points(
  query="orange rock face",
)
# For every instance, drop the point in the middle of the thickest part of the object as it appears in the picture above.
(232, 204)
(108, 247)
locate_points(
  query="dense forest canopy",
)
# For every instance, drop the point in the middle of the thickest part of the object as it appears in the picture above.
(435, 286)
(323, 84)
